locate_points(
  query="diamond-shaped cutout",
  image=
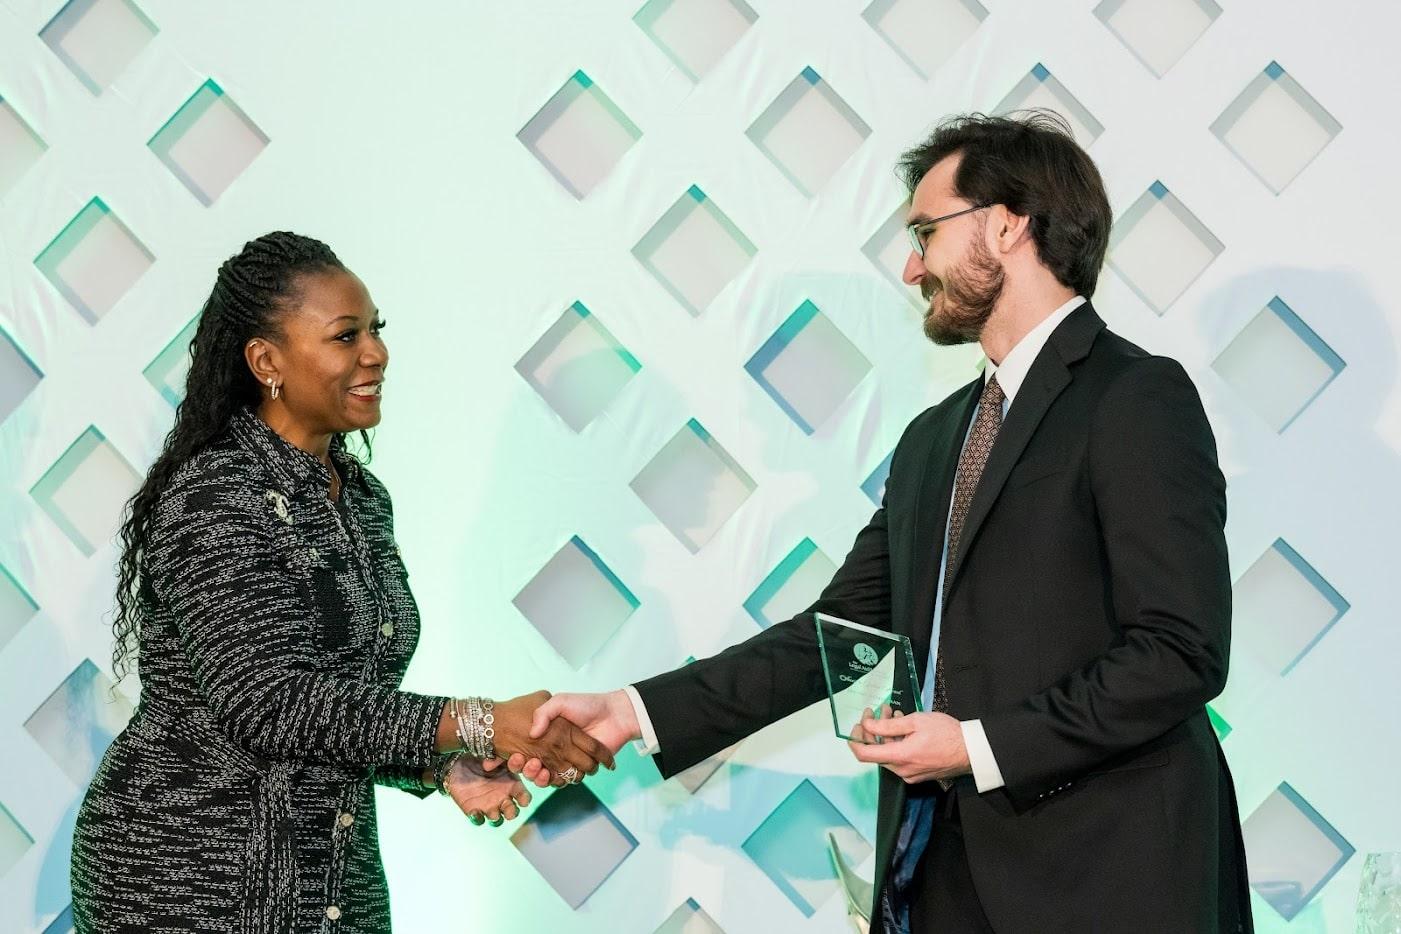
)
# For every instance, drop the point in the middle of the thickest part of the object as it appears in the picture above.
(1158, 32)
(20, 146)
(694, 250)
(888, 249)
(697, 775)
(97, 39)
(790, 846)
(579, 135)
(576, 602)
(79, 720)
(15, 841)
(925, 33)
(85, 489)
(1159, 247)
(572, 821)
(168, 370)
(17, 607)
(874, 485)
(1278, 364)
(577, 366)
(1283, 608)
(208, 142)
(693, 485)
(792, 585)
(695, 34)
(1040, 88)
(808, 132)
(808, 366)
(18, 375)
(1275, 127)
(689, 918)
(94, 260)
(1291, 851)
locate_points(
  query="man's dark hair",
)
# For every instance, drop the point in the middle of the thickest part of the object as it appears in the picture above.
(1029, 162)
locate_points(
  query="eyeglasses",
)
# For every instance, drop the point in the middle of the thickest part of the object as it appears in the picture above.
(921, 232)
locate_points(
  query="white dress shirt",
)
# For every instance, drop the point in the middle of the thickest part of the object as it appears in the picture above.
(1011, 373)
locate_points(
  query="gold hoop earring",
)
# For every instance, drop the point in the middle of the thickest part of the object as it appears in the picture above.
(275, 387)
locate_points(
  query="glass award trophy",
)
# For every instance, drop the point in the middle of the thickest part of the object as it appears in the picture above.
(865, 668)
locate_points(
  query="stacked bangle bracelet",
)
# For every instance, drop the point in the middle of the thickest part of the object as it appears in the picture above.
(475, 726)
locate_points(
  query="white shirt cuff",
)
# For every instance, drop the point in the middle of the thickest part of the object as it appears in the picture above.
(986, 775)
(647, 745)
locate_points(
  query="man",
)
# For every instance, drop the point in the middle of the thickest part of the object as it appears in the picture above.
(1051, 541)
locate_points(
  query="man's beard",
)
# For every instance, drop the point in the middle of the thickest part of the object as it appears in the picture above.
(970, 292)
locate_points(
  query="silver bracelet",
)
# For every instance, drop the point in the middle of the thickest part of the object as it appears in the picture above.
(488, 728)
(476, 726)
(464, 732)
(474, 716)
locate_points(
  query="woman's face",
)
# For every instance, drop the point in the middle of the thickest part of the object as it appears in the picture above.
(330, 356)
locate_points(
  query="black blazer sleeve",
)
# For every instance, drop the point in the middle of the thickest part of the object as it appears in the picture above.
(710, 704)
(403, 777)
(1161, 504)
(246, 632)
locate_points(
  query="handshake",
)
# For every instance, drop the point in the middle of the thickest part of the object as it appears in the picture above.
(537, 738)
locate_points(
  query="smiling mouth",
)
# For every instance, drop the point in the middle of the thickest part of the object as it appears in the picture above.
(371, 391)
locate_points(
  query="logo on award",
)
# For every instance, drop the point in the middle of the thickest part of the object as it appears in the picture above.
(865, 654)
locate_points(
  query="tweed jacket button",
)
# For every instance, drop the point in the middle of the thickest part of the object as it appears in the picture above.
(386, 629)
(333, 912)
(345, 820)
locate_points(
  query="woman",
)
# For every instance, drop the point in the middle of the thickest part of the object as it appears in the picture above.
(263, 597)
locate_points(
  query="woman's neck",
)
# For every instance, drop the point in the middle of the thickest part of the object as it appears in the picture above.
(315, 443)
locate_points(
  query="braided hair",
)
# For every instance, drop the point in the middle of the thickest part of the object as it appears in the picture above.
(252, 292)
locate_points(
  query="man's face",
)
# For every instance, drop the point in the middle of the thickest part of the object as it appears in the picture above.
(959, 277)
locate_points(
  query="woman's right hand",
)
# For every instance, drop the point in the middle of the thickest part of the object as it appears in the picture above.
(562, 747)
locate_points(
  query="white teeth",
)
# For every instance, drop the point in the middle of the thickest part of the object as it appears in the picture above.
(366, 390)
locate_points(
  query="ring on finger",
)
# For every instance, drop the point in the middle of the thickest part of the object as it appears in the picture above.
(570, 775)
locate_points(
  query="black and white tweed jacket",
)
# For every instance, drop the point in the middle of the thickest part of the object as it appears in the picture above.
(277, 626)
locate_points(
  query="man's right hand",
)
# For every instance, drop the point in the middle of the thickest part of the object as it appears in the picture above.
(560, 745)
(608, 718)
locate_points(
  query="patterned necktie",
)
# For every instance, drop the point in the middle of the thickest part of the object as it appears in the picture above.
(916, 825)
(970, 468)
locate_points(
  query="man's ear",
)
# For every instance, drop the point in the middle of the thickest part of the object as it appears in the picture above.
(1005, 230)
(263, 360)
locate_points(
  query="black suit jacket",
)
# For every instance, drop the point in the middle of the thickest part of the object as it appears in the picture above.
(1087, 624)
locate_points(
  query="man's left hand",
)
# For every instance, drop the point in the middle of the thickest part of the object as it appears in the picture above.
(918, 747)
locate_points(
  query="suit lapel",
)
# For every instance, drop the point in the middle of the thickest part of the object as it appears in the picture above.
(932, 511)
(1047, 378)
